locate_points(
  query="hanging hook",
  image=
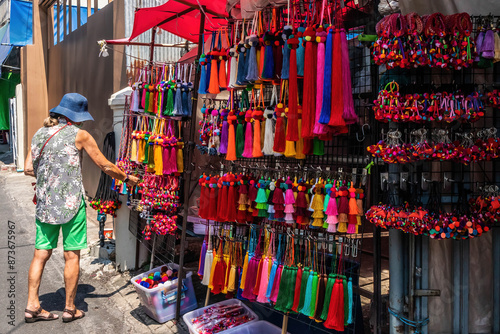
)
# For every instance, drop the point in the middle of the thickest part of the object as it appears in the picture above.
(363, 132)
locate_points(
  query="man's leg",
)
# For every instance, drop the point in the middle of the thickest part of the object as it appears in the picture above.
(71, 274)
(40, 258)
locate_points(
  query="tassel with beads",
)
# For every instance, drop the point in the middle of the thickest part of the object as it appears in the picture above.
(203, 83)
(285, 69)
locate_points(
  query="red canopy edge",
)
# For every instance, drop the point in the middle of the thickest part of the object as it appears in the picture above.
(179, 17)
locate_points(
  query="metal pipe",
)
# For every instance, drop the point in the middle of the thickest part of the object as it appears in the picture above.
(188, 172)
(411, 278)
(152, 53)
(377, 279)
(396, 294)
(496, 279)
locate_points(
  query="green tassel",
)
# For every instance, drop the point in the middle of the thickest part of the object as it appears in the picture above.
(291, 288)
(318, 146)
(306, 310)
(303, 285)
(146, 149)
(146, 99)
(328, 295)
(282, 299)
(169, 108)
(240, 140)
(314, 291)
(151, 162)
(261, 196)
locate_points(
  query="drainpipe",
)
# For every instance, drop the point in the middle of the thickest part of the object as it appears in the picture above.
(396, 290)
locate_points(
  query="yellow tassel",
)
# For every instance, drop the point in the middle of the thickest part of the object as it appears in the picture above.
(342, 227)
(300, 143)
(133, 150)
(151, 162)
(142, 152)
(231, 286)
(180, 157)
(290, 149)
(228, 267)
(158, 159)
(244, 273)
(212, 270)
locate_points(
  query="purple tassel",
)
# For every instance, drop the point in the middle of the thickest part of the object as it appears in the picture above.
(224, 134)
(488, 46)
(349, 115)
(203, 253)
(324, 117)
(479, 45)
(166, 165)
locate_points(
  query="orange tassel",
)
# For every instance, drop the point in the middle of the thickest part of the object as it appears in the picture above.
(231, 139)
(213, 87)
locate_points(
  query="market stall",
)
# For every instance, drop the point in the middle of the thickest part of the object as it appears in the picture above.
(318, 123)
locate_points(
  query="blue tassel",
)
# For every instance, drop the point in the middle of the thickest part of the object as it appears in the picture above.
(207, 77)
(202, 88)
(285, 69)
(268, 71)
(190, 99)
(185, 106)
(240, 290)
(349, 292)
(307, 302)
(271, 279)
(300, 54)
(178, 100)
(240, 79)
(326, 106)
(253, 70)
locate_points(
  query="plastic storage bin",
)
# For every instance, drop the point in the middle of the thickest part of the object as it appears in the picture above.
(159, 303)
(257, 327)
(188, 317)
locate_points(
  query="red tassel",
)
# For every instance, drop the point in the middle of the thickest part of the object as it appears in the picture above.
(308, 147)
(292, 133)
(202, 211)
(223, 203)
(309, 91)
(337, 94)
(212, 209)
(222, 69)
(279, 133)
(335, 319)
(231, 200)
(296, 295)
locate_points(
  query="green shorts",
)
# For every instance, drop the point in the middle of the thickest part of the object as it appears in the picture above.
(74, 232)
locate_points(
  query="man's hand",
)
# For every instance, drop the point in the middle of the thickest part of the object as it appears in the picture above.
(133, 180)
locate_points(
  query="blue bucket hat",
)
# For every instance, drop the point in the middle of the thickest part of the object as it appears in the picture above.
(75, 107)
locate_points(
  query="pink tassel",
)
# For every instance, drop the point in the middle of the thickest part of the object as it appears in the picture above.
(166, 158)
(250, 279)
(247, 152)
(276, 284)
(349, 115)
(173, 160)
(332, 224)
(351, 228)
(264, 281)
(289, 198)
(319, 128)
(331, 209)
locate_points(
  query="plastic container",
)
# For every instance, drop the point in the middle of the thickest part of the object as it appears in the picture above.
(188, 317)
(260, 327)
(159, 303)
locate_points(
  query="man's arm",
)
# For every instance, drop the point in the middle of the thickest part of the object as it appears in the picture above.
(85, 141)
(28, 165)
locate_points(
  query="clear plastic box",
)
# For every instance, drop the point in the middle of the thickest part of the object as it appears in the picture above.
(261, 327)
(188, 317)
(159, 303)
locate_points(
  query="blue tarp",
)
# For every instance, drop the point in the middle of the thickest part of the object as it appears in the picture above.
(21, 23)
(74, 13)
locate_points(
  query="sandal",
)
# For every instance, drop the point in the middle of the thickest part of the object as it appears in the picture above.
(73, 315)
(35, 316)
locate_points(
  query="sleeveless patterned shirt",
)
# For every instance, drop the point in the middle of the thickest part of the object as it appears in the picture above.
(59, 187)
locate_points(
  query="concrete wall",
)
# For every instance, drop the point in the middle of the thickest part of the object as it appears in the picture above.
(74, 65)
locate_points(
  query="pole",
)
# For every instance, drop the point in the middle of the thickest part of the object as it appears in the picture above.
(207, 298)
(284, 327)
(189, 169)
(152, 53)
(153, 253)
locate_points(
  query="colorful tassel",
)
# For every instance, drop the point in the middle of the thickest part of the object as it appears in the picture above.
(253, 70)
(292, 132)
(335, 319)
(224, 132)
(309, 101)
(306, 309)
(231, 139)
(324, 117)
(268, 132)
(240, 138)
(276, 284)
(203, 84)
(257, 115)
(328, 293)
(349, 115)
(242, 69)
(272, 275)
(268, 68)
(280, 133)
(208, 267)
(337, 103)
(247, 152)
(296, 296)
(300, 52)
(285, 69)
